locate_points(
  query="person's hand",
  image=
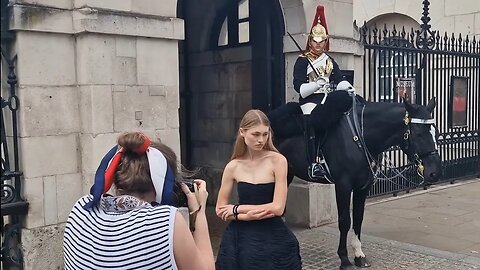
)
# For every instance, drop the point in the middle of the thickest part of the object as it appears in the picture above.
(259, 214)
(192, 201)
(321, 82)
(201, 193)
(225, 211)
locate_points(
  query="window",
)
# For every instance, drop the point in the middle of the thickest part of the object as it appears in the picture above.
(223, 37)
(235, 28)
(243, 23)
(393, 64)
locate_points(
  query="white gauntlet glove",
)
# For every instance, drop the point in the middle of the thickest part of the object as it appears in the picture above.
(323, 82)
(346, 86)
(307, 89)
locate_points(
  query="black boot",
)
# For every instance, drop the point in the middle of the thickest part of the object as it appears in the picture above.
(315, 170)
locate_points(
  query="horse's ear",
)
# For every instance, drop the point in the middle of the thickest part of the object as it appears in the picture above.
(407, 105)
(431, 104)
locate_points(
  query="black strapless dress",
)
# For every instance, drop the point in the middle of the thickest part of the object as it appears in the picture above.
(260, 244)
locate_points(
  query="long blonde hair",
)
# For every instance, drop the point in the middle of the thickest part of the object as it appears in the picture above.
(251, 119)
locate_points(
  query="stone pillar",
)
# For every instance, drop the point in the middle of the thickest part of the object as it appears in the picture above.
(309, 204)
(88, 71)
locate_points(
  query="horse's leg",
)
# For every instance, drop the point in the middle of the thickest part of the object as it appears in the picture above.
(359, 197)
(343, 209)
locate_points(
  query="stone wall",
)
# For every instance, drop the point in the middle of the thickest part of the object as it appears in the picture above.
(88, 71)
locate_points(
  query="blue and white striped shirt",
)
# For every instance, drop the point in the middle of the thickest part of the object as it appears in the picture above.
(140, 238)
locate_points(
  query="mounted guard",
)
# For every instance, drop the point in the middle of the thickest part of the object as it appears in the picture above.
(316, 75)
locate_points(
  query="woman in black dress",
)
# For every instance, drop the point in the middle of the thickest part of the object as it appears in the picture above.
(257, 237)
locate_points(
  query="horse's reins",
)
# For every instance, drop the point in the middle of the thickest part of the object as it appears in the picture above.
(415, 159)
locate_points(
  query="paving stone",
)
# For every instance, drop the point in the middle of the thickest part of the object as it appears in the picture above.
(318, 246)
(318, 250)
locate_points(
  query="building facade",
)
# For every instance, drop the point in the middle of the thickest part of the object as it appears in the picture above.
(183, 72)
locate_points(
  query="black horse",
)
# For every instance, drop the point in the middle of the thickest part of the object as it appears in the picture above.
(383, 125)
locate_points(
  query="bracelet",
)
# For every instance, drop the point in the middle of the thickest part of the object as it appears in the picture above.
(235, 211)
(196, 211)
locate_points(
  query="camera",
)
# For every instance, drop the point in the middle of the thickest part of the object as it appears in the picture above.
(190, 185)
(179, 197)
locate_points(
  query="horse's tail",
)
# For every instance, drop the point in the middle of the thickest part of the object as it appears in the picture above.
(286, 121)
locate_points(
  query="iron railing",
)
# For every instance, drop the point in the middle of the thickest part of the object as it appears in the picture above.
(13, 206)
(431, 61)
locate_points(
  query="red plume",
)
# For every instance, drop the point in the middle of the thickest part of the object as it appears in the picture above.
(321, 14)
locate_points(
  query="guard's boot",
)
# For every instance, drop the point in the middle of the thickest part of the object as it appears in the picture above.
(315, 170)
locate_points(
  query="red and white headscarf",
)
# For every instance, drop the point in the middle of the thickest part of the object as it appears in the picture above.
(161, 174)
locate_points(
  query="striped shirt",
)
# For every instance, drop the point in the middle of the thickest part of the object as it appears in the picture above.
(137, 238)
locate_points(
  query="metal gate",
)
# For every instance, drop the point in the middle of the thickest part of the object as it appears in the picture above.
(419, 65)
(12, 205)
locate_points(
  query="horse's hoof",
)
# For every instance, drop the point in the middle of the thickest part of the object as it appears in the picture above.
(346, 266)
(362, 262)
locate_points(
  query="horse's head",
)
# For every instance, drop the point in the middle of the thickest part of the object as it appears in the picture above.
(420, 140)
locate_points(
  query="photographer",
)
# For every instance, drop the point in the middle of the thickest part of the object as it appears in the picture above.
(138, 228)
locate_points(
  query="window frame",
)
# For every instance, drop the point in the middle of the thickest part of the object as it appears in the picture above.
(231, 16)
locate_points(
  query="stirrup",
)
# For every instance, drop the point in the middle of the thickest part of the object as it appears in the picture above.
(316, 171)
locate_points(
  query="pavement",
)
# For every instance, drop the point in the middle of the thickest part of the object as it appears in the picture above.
(446, 217)
(318, 250)
(434, 229)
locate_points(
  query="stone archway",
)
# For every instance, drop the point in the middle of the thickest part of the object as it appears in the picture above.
(221, 81)
(390, 19)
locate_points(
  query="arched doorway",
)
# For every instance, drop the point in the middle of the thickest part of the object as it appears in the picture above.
(231, 60)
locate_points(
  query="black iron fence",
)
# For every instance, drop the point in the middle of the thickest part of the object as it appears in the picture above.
(13, 206)
(419, 65)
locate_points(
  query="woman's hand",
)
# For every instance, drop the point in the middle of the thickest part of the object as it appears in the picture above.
(225, 211)
(201, 192)
(192, 201)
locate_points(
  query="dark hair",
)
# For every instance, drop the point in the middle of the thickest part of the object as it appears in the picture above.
(133, 172)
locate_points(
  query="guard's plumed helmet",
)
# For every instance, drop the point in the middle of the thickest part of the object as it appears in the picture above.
(319, 31)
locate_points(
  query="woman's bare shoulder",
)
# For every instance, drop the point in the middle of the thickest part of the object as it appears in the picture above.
(277, 157)
(231, 165)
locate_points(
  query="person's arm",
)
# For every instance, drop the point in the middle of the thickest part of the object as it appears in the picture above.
(300, 73)
(300, 79)
(225, 190)
(193, 252)
(277, 206)
(261, 211)
(252, 215)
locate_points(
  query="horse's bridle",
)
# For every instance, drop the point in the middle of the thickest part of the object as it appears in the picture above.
(414, 156)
